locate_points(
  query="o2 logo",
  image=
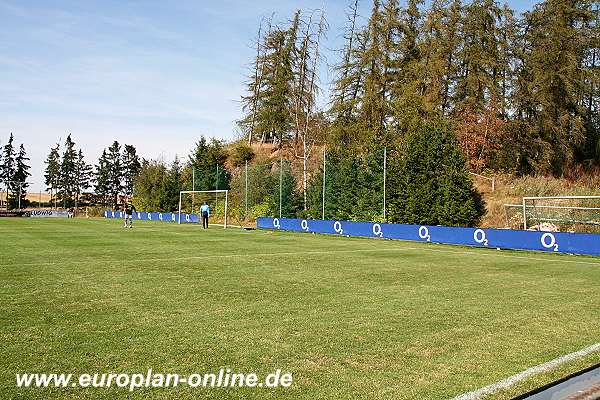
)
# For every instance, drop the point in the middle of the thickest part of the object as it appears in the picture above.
(548, 240)
(187, 218)
(337, 227)
(479, 237)
(276, 223)
(304, 225)
(160, 216)
(377, 231)
(424, 233)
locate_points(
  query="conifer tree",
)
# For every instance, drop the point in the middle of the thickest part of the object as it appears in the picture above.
(348, 87)
(253, 100)
(479, 57)
(374, 108)
(52, 172)
(8, 168)
(429, 182)
(171, 186)
(83, 175)
(102, 178)
(270, 101)
(68, 179)
(409, 89)
(549, 88)
(131, 167)
(206, 159)
(115, 172)
(21, 175)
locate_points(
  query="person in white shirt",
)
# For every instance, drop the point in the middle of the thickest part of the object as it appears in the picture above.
(204, 214)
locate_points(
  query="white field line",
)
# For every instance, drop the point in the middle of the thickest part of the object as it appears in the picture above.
(505, 383)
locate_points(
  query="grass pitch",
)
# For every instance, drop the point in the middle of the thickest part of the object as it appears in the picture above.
(350, 318)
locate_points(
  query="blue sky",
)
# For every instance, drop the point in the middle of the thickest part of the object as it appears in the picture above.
(154, 74)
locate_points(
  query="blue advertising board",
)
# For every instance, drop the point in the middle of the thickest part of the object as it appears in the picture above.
(561, 242)
(155, 216)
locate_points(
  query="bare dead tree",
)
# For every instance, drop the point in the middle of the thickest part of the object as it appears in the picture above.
(304, 132)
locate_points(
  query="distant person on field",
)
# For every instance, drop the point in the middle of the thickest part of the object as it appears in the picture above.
(129, 209)
(204, 214)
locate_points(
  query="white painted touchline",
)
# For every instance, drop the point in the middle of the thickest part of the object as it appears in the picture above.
(505, 383)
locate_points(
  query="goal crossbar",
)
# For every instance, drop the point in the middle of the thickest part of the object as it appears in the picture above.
(182, 192)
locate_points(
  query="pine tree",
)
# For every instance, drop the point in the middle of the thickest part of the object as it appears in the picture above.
(429, 182)
(131, 168)
(115, 172)
(348, 86)
(408, 88)
(206, 159)
(68, 178)
(270, 101)
(83, 175)
(172, 184)
(439, 48)
(102, 178)
(479, 57)
(374, 108)
(291, 202)
(8, 167)
(21, 175)
(254, 86)
(549, 90)
(589, 150)
(52, 173)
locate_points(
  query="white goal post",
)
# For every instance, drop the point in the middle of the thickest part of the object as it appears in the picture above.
(563, 213)
(216, 192)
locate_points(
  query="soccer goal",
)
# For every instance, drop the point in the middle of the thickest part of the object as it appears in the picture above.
(190, 202)
(562, 213)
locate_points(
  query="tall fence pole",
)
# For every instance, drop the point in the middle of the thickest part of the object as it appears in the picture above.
(217, 188)
(246, 192)
(524, 214)
(323, 210)
(384, 181)
(280, 185)
(193, 186)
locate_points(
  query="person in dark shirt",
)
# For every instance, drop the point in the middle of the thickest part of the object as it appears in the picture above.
(129, 209)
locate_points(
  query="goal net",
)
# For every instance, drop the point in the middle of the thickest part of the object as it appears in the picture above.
(562, 213)
(190, 202)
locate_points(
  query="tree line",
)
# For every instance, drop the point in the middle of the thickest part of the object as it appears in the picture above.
(69, 177)
(499, 91)
(14, 171)
(158, 183)
(521, 92)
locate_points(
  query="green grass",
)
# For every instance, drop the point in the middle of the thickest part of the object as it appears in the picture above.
(350, 318)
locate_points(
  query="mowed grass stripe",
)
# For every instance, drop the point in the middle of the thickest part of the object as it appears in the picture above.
(412, 324)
